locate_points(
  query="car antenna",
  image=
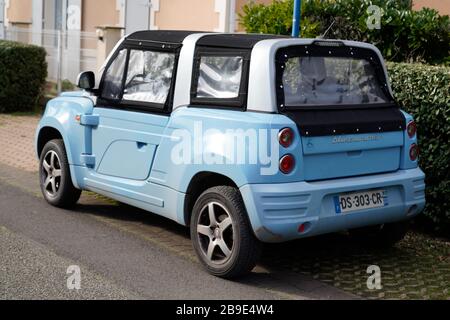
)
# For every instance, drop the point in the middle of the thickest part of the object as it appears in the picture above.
(328, 29)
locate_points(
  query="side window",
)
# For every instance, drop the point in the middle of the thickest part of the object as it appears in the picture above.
(219, 77)
(149, 76)
(112, 84)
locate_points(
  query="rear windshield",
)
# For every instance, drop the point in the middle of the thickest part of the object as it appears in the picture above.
(315, 80)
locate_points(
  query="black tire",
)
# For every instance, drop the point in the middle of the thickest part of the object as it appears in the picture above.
(58, 190)
(245, 248)
(381, 236)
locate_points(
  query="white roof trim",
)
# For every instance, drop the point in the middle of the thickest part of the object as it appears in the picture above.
(261, 87)
(182, 93)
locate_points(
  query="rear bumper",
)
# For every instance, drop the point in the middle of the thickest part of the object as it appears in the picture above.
(277, 210)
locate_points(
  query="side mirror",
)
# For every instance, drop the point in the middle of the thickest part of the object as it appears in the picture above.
(86, 80)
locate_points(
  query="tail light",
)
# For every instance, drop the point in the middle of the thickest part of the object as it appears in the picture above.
(287, 164)
(301, 228)
(286, 137)
(414, 152)
(411, 129)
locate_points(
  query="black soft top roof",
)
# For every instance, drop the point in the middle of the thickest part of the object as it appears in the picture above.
(164, 36)
(223, 40)
(235, 40)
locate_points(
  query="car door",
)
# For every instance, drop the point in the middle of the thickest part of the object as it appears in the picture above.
(131, 114)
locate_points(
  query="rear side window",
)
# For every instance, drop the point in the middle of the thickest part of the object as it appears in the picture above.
(220, 77)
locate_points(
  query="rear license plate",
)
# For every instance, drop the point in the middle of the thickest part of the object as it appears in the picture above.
(360, 200)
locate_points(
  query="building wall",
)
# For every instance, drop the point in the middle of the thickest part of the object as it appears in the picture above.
(196, 14)
(443, 6)
(19, 11)
(187, 15)
(99, 12)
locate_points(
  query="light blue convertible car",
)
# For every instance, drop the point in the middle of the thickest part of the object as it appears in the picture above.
(244, 138)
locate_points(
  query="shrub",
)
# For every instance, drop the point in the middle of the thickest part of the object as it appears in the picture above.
(22, 77)
(274, 19)
(405, 35)
(424, 91)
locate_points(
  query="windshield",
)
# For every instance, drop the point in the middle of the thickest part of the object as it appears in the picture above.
(330, 81)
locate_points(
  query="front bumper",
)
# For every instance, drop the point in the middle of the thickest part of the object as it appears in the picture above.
(277, 210)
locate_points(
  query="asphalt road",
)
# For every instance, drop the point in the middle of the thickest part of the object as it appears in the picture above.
(122, 253)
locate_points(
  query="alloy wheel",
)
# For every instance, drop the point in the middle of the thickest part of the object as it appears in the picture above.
(215, 233)
(51, 173)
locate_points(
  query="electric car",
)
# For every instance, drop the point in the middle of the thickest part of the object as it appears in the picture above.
(245, 139)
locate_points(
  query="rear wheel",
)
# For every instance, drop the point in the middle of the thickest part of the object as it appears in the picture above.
(55, 181)
(221, 233)
(381, 236)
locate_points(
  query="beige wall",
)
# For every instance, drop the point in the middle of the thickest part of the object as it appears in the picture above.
(99, 12)
(19, 11)
(443, 6)
(187, 15)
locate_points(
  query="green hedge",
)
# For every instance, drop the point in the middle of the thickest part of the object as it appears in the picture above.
(23, 71)
(424, 91)
(405, 35)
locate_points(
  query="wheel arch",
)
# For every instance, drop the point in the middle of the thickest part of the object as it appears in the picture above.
(45, 135)
(50, 132)
(199, 183)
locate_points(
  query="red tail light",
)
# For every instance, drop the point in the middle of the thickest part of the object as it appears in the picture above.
(286, 137)
(301, 228)
(414, 152)
(411, 129)
(287, 164)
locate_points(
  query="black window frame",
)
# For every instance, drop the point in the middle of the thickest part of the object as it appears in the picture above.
(238, 103)
(341, 51)
(140, 106)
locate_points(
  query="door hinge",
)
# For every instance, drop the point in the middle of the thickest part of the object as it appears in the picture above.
(91, 120)
(88, 160)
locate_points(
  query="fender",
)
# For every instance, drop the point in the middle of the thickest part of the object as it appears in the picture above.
(63, 114)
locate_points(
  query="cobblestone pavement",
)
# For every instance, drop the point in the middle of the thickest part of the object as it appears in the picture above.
(16, 141)
(417, 268)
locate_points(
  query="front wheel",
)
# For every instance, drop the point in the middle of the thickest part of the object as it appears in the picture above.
(54, 173)
(221, 233)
